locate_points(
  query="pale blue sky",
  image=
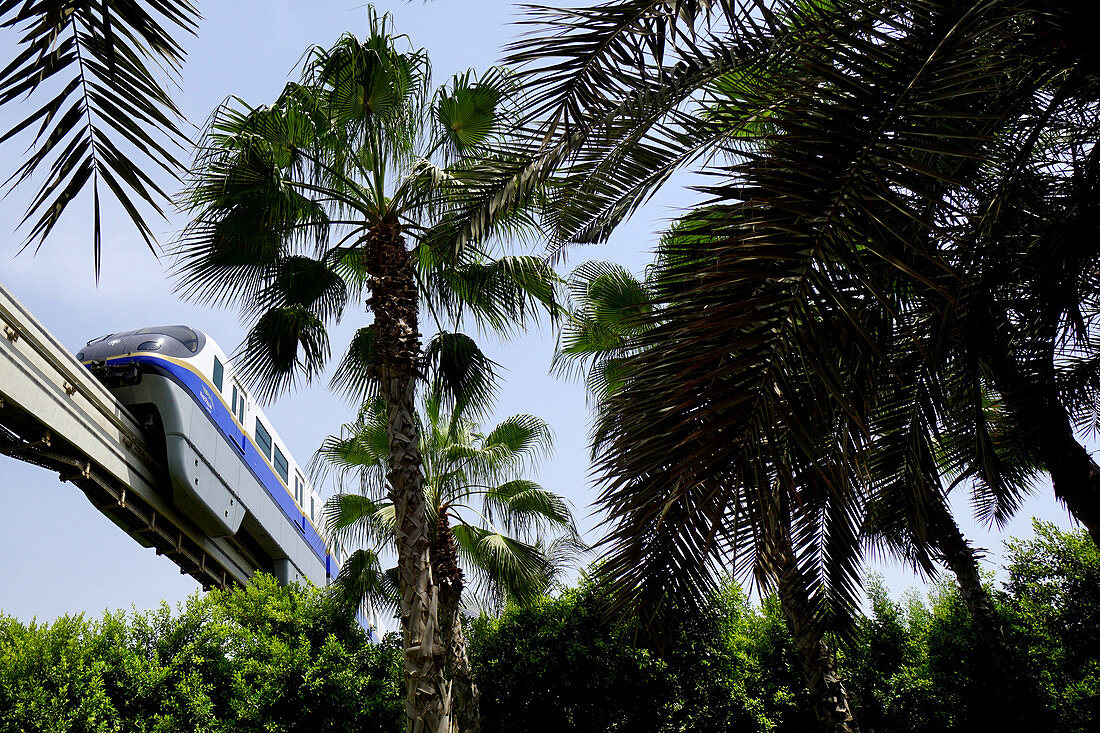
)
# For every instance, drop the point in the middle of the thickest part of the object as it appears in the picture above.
(57, 554)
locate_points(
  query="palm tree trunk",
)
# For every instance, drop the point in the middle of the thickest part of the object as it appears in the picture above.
(467, 717)
(395, 303)
(1073, 471)
(1036, 404)
(1003, 708)
(962, 560)
(830, 699)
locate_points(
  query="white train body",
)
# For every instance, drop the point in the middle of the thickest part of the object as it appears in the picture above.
(232, 474)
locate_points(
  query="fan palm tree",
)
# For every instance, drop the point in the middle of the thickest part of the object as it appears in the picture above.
(488, 521)
(103, 115)
(302, 207)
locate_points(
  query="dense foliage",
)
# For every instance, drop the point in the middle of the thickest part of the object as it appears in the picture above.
(287, 659)
(263, 658)
(912, 665)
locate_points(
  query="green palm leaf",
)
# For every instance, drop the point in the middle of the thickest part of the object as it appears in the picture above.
(462, 377)
(359, 519)
(361, 583)
(518, 439)
(353, 378)
(518, 569)
(524, 507)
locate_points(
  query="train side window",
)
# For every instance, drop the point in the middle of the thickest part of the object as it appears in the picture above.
(298, 483)
(219, 373)
(263, 439)
(312, 518)
(281, 466)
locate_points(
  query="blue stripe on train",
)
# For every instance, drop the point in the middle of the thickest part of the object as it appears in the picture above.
(201, 392)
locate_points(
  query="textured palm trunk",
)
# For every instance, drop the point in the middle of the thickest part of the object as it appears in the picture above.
(467, 717)
(395, 303)
(1036, 404)
(962, 560)
(1002, 709)
(830, 699)
(1073, 471)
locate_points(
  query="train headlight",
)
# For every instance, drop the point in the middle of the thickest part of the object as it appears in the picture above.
(149, 346)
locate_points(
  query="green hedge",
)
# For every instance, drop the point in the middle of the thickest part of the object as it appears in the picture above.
(911, 665)
(286, 659)
(262, 658)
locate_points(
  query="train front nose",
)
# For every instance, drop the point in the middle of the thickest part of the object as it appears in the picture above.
(110, 358)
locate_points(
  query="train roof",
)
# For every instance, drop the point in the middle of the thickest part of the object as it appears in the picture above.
(192, 338)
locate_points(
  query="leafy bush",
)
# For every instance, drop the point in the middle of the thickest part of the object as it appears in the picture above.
(562, 665)
(258, 658)
(287, 659)
(911, 665)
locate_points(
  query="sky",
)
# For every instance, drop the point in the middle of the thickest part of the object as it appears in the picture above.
(58, 555)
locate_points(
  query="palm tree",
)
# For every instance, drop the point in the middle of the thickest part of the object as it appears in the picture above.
(113, 118)
(870, 166)
(609, 311)
(1042, 97)
(907, 510)
(300, 207)
(488, 521)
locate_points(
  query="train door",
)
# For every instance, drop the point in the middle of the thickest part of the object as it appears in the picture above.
(237, 405)
(299, 484)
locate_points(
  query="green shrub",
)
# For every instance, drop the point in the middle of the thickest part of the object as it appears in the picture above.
(265, 658)
(257, 658)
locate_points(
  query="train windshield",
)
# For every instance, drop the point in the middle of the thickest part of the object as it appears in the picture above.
(186, 336)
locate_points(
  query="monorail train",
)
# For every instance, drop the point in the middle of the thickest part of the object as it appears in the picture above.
(231, 473)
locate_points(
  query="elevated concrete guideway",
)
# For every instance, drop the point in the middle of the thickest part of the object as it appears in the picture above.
(54, 413)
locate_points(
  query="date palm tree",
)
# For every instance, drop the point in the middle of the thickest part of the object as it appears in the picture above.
(352, 184)
(489, 522)
(610, 310)
(867, 162)
(906, 511)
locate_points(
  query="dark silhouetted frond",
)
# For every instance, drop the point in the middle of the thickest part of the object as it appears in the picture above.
(103, 116)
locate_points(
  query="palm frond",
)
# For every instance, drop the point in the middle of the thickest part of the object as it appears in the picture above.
(518, 439)
(585, 58)
(105, 116)
(285, 344)
(606, 303)
(353, 377)
(246, 217)
(361, 447)
(473, 110)
(499, 294)
(460, 376)
(522, 506)
(359, 519)
(519, 569)
(364, 585)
